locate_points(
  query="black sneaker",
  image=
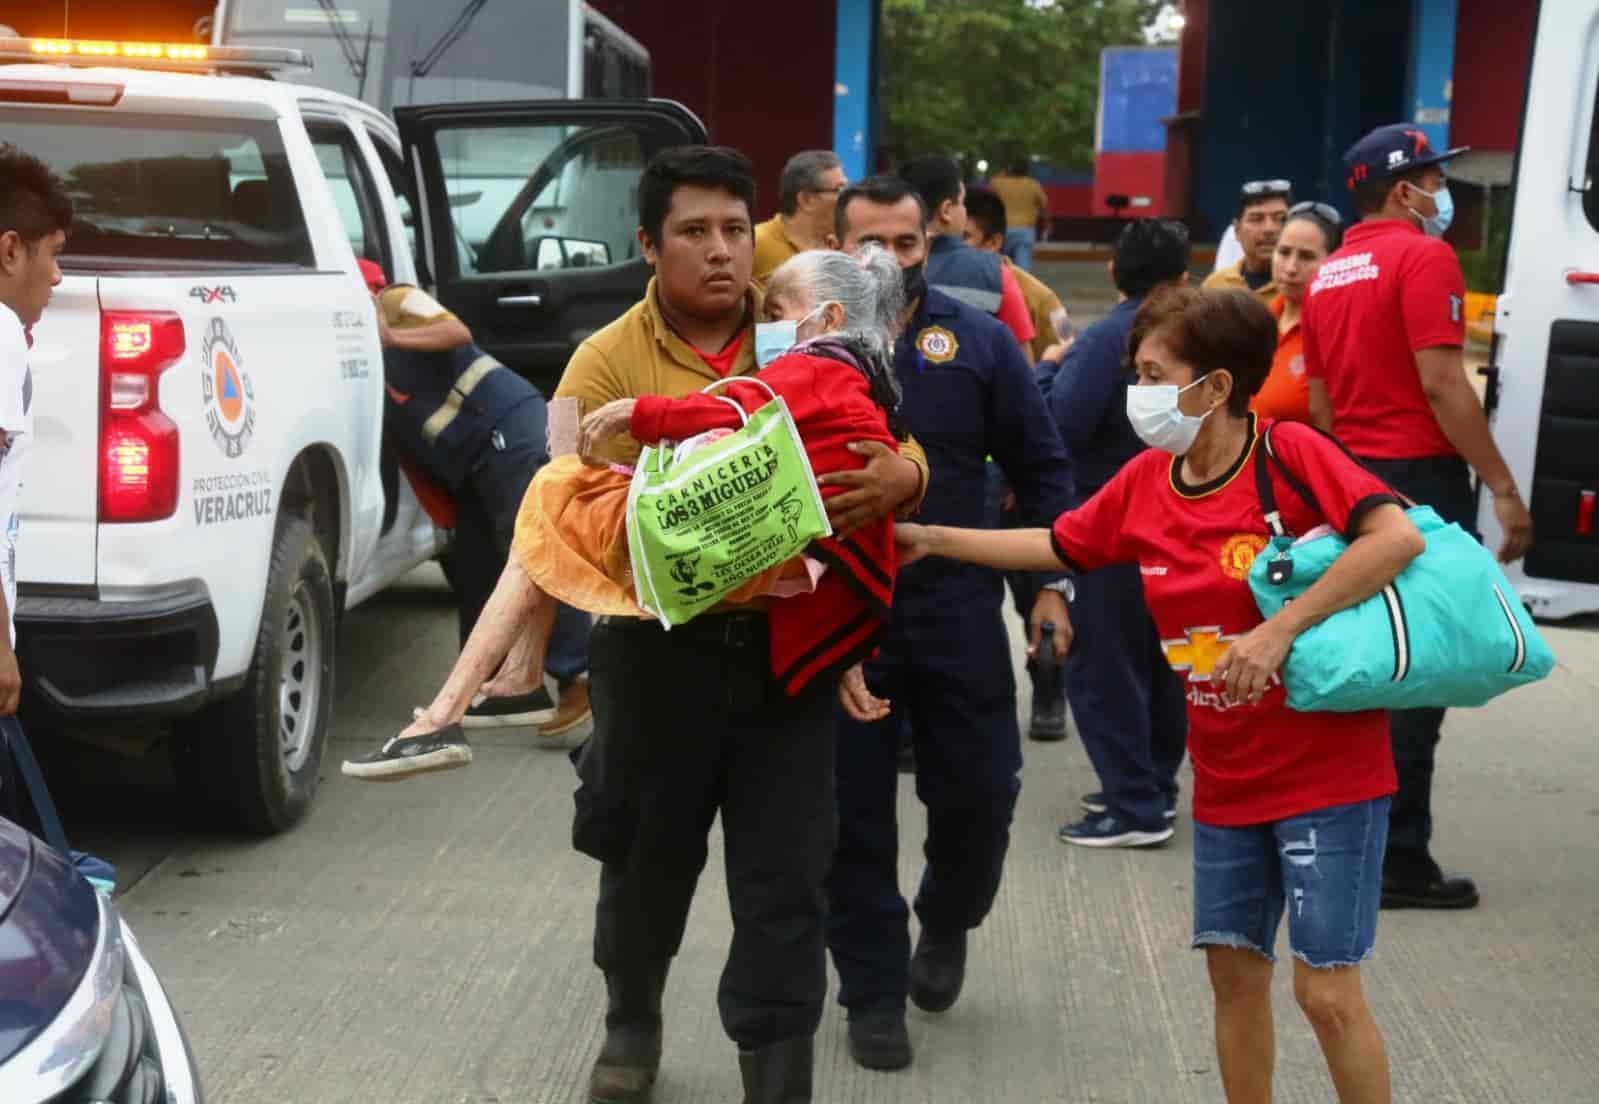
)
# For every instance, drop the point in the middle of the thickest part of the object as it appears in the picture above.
(1094, 804)
(534, 707)
(402, 756)
(1110, 830)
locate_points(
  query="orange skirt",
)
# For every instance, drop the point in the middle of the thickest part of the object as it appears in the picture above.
(571, 539)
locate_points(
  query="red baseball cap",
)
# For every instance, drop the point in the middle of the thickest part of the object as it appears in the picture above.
(373, 275)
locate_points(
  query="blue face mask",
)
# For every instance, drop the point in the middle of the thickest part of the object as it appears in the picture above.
(1436, 226)
(773, 339)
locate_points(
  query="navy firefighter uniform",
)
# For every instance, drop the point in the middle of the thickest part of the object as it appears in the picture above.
(945, 663)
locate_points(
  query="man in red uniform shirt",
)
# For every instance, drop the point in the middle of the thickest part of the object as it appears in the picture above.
(1384, 328)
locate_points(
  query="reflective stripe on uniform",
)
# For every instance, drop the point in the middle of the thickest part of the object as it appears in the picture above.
(468, 381)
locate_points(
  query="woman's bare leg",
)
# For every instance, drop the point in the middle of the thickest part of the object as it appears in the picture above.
(1335, 1004)
(1245, 1042)
(523, 670)
(504, 620)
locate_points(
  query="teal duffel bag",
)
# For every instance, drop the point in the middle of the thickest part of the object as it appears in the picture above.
(1449, 631)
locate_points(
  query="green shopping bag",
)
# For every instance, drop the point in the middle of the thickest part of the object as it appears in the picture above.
(701, 523)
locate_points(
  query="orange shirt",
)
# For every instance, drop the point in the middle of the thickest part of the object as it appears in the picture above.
(1285, 394)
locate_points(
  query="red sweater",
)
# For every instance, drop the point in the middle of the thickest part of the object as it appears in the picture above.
(840, 623)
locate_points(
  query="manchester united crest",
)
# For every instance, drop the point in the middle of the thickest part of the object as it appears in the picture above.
(1238, 554)
(225, 387)
(937, 344)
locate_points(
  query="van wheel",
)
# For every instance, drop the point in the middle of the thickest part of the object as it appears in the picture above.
(251, 760)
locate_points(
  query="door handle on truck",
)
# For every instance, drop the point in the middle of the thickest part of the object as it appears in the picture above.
(532, 299)
(1574, 277)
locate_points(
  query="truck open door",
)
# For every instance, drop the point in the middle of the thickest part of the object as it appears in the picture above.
(529, 216)
(1546, 355)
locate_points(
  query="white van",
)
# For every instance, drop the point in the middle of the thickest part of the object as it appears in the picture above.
(1543, 393)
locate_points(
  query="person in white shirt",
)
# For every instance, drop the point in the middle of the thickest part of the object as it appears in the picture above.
(1230, 251)
(35, 215)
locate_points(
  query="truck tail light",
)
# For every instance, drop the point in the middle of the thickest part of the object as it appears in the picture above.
(138, 443)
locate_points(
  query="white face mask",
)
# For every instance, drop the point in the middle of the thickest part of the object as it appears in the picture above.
(1159, 421)
(773, 339)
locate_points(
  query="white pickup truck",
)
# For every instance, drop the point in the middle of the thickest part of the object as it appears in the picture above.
(208, 489)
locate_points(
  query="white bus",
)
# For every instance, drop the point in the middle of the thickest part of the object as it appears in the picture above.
(391, 53)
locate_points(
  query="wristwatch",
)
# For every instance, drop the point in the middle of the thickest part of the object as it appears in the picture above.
(1064, 588)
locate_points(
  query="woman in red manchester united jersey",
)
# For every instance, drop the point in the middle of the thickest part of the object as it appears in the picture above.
(1290, 809)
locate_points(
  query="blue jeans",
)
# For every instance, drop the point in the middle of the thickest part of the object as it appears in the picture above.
(1019, 242)
(1324, 868)
(1444, 483)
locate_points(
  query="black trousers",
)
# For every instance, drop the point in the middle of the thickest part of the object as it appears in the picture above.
(689, 723)
(1444, 483)
(946, 666)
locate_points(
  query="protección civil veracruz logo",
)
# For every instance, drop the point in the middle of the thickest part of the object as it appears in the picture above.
(225, 386)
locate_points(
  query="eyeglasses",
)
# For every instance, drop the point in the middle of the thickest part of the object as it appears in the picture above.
(1256, 188)
(1321, 210)
(836, 189)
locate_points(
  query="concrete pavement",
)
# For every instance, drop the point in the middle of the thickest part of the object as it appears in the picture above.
(429, 941)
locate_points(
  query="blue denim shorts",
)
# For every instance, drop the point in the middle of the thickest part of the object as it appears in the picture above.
(1324, 868)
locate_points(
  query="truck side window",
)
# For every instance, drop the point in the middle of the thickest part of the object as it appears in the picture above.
(578, 208)
(353, 192)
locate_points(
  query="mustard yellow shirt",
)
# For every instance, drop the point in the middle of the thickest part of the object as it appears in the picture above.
(1049, 313)
(1232, 278)
(1024, 198)
(773, 246)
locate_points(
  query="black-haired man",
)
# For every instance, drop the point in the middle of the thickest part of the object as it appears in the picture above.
(945, 663)
(1384, 355)
(1128, 705)
(35, 215)
(987, 228)
(807, 193)
(1262, 209)
(953, 267)
(691, 724)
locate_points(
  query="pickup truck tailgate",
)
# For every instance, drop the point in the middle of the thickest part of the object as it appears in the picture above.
(61, 488)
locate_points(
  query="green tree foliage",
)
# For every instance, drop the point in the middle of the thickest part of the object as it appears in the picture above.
(1000, 79)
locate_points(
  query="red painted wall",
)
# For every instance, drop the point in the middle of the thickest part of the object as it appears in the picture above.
(1493, 52)
(1191, 55)
(1070, 200)
(1135, 175)
(1183, 134)
(761, 79)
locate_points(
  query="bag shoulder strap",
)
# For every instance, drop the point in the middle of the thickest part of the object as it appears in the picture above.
(22, 753)
(1266, 458)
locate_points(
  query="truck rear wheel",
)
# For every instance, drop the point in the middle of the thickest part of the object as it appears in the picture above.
(251, 760)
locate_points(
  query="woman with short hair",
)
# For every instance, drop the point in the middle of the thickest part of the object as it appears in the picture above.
(1290, 809)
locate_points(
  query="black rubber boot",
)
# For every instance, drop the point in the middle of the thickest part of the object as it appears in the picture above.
(625, 1071)
(778, 1074)
(938, 970)
(1047, 672)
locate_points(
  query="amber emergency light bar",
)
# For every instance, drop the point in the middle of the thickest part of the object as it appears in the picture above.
(178, 57)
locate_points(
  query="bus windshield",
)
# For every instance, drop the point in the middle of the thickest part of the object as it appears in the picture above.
(394, 52)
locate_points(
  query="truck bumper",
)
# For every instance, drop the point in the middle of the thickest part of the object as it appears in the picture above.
(140, 653)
